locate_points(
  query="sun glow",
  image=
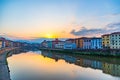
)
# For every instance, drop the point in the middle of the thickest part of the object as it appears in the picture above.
(49, 36)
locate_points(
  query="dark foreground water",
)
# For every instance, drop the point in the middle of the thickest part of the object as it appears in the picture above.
(56, 66)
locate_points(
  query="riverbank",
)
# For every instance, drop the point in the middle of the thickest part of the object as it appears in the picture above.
(4, 53)
(104, 53)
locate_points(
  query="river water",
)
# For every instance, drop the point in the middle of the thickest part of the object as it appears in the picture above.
(37, 65)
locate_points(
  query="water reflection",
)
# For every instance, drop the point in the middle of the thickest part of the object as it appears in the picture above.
(56, 66)
(111, 67)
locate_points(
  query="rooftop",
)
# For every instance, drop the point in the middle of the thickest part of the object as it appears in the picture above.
(105, 35)
(116, 33)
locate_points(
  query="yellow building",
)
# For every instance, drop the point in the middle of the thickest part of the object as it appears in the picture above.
(106, 41)
(107, 68)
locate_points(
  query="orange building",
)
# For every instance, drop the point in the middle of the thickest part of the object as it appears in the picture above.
(80, 42)
(77, 43)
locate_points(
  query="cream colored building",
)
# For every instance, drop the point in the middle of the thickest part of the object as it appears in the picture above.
(115, 40)
(106, 41)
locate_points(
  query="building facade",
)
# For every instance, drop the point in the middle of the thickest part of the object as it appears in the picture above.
(86, 43)
(77, 42)
(115, 40)
(44, 44)
(2, 42)
(60, 45)
(96, 43)
(83, 43)
(49, 44)
(57, 44)
(106, 41)
(70, 44)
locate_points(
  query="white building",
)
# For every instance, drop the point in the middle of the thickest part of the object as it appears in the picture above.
(115, 40)
(59, 45)
(86, 43)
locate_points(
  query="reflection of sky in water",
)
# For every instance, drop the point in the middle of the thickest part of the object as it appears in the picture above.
(32, 66)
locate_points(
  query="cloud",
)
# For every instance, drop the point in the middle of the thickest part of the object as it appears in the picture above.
(116, 14)
(109, 16)
(112, 27)
(84, 31)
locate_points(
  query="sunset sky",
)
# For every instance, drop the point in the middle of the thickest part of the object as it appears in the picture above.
(59, 18)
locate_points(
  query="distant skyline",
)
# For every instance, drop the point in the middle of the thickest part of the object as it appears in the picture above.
(59, 18)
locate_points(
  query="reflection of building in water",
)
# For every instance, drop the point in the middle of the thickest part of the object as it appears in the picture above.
(89, 63)
(116, 70)
(69, 59)
(50, 55)
(96, 64)
(113, 69)
(79, 62)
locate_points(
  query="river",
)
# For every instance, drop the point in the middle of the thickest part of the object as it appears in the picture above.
(37, 65)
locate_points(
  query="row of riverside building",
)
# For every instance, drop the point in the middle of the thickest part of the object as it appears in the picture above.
(4, 43)
(106, 41)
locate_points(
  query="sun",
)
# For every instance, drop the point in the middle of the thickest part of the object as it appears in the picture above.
(49, 36)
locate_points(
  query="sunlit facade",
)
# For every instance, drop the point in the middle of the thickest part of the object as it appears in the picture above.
(79, 43)
(106, 41)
